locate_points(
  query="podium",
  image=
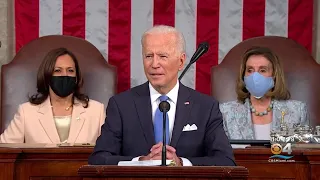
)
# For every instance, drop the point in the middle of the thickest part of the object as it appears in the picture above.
(101, 172)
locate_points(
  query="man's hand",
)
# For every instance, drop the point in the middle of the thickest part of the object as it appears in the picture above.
(156, 149)
(156, 154)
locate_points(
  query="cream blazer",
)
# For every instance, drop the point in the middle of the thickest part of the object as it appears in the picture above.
(35, 124)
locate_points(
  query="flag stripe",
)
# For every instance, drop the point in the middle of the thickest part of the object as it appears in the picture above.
(300, 22)
(164, 12)
(50, 11)
(207, 30)
(26, 22)
(253, 18)
(185, 15)
(276, 18)
(141, 20)
(119, 41)
(230, 26)
(74, 18)
(96, 29)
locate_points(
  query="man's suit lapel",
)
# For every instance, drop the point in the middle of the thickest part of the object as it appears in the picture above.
(143, 106)
(45, 117)
(183, 110)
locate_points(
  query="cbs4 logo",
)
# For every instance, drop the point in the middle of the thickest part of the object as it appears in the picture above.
(277, 148)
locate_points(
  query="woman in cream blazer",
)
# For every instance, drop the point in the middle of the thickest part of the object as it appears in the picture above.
(59, 113)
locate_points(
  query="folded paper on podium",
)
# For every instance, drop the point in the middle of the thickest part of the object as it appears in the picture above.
(143, 163)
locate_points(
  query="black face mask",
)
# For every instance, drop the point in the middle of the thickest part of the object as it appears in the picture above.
(63, 86)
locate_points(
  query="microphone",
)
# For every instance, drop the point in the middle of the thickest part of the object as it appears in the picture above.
(164, 107)
(202, 48)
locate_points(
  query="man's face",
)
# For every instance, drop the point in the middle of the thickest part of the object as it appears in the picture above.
(162, 60)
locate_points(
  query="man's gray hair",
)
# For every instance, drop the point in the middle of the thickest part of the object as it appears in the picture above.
(181, 45)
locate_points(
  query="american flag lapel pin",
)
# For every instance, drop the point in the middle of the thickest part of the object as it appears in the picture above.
(186, 103)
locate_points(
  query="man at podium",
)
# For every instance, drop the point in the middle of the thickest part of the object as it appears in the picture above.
(133, 128)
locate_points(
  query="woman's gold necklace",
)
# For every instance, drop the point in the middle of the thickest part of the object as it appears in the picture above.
(67, 108)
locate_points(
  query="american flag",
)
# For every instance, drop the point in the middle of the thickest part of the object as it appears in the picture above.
(115, 28)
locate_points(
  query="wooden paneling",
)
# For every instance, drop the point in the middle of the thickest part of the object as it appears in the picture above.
(62, 163)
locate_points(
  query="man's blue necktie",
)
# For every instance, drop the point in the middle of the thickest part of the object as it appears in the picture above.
(158, 123)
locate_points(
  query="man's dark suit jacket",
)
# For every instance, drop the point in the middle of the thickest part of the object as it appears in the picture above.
(128, 129)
